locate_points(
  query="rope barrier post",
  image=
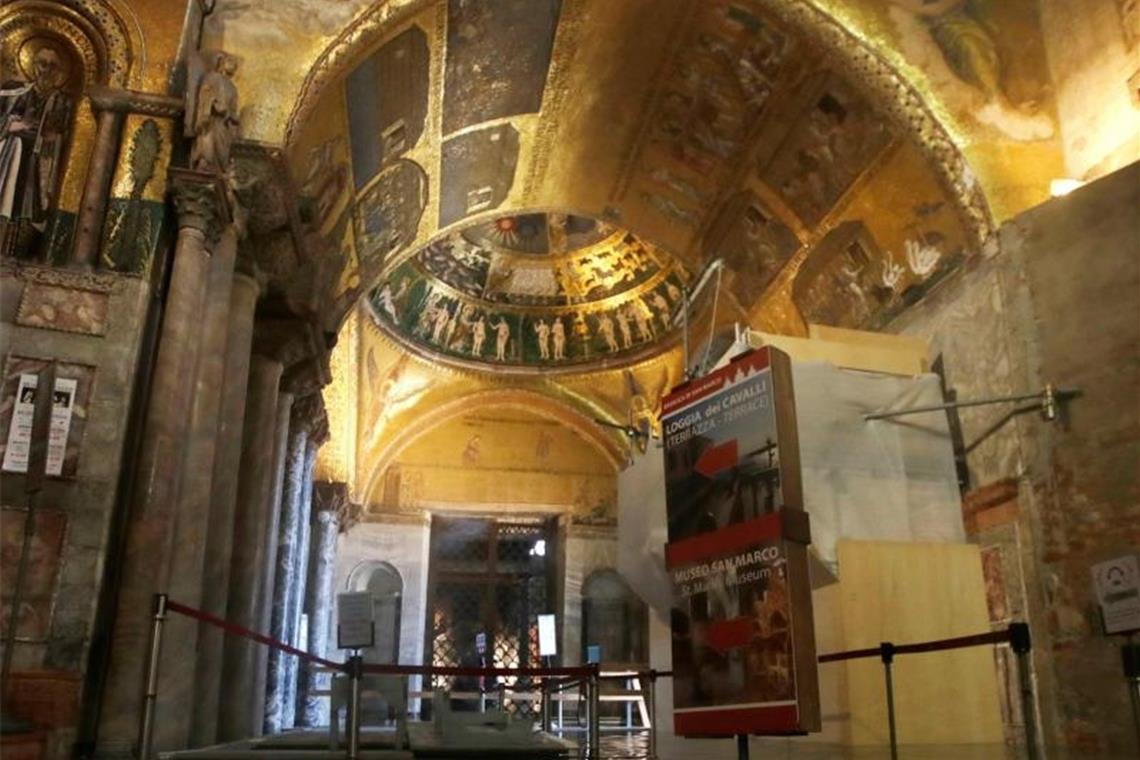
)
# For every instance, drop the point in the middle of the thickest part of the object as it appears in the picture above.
(594, 691)
(651, 708)
(1130, 654)
(887, 655)
(1022, 644)
(742, 746)
(545, 703)
(146, 726)
(355, 667)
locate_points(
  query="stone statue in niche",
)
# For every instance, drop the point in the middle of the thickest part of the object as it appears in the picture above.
(35, 122)
(212, 112)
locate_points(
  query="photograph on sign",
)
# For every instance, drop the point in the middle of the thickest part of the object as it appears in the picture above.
(547, 636)
(354, 628)
(722, 449)
(733, 638)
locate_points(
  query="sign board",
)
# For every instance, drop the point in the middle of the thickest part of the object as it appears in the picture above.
(743, 640)
(593, 654)
(20, 429)
(354, 627)
(547, 636)
(481, 643)
(1117, 583)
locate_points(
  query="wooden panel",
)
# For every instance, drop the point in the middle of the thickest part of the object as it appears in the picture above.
(909, 593)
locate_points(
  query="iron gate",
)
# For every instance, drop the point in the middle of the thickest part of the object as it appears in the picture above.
(493, 577)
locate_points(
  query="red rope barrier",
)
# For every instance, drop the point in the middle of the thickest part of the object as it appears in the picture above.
(432, 670)
(238, 630)
(992, 637)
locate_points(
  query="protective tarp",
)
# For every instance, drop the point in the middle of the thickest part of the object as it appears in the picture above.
(888, 479)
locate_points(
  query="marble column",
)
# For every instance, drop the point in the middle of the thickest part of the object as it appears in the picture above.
(283, 625)
(240, 701)
(100, 171)
(300, 586)
(329, 499)
(192, 517)
(223, 501)
(151, 530)
(267, 572)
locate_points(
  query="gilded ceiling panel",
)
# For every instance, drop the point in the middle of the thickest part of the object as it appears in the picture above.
(498, 54)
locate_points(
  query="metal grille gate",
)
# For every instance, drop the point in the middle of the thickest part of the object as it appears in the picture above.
(493, 577)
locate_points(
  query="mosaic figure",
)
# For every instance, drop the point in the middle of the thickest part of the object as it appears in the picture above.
(558, 334)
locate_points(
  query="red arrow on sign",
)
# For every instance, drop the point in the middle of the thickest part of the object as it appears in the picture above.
(717, 458)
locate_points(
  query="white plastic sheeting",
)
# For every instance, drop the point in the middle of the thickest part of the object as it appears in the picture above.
(888, 479)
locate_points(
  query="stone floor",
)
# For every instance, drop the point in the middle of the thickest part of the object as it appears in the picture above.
(628, 745)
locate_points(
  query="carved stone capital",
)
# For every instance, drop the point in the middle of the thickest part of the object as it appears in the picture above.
(308, 413)
(131, 101)
(330, 498)
(201, 201)
(289, 340)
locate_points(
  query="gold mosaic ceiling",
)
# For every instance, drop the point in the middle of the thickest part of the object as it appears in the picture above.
(764, 133)
(534, 289)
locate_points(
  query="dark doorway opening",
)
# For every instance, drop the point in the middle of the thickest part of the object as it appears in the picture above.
(492, 577)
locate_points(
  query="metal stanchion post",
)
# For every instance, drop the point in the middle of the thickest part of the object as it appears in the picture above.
(146, 726)
(887, 655)
(355, 666)
(1022, 645)
(742, 746)
(545, 703)
(1130, 653)
(651, 708)
(595, 713)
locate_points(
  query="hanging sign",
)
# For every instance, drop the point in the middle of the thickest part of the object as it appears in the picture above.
(743, 640)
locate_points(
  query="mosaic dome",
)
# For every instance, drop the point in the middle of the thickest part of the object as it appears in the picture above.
(537, 289)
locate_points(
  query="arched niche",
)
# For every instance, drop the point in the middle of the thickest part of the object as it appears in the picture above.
(386, 586)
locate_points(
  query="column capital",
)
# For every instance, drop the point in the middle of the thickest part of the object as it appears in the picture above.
(331, 503)
(201, 200)
(309, 413)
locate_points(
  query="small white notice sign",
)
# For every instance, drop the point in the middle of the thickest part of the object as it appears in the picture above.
(1117, 583)
(20, 429)
(354, 628)
(547, 636)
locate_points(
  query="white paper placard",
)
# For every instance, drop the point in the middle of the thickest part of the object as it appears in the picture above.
(1117, 583)
(20, 428)
(354, 628)
(547, 636)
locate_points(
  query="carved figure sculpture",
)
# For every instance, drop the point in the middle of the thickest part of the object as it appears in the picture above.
(35, 118)
(212, 114)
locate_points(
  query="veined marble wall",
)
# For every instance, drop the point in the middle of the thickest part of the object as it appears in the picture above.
(587, 550)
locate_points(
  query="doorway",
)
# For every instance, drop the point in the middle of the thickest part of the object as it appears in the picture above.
(488, 580)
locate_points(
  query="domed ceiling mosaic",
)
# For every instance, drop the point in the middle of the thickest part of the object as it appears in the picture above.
(534, 289)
